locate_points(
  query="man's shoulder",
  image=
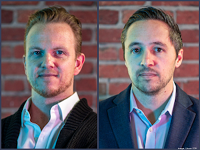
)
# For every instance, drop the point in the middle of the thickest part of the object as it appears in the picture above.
(187, 100)
(17, 114)
(107, 102)
(115, 100)
(195, 102)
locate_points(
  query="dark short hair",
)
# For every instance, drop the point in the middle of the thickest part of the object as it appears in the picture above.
(56, 14)
(156, 14)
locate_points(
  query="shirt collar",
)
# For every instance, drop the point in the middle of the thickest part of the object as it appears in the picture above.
(168, 107)
(65, 106)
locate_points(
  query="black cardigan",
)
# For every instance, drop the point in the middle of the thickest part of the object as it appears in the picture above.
(80, 130)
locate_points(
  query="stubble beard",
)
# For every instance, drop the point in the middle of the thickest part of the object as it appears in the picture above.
(152, 89)
(47, 93)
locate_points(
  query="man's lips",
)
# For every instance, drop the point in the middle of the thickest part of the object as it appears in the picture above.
(147, 74)
(47, 75)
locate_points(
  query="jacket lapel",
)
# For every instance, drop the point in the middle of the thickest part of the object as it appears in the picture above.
(120, 121)
(182, 120)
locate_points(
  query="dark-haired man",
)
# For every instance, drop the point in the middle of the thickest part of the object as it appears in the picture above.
(54, 116)
(153, 112)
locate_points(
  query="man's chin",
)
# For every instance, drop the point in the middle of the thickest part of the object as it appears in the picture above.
(48, 94)
(149, 89)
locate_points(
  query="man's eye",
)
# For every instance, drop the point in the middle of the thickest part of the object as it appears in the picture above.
(136, 50)
(59, 52)
(158, 49)
(37, 53)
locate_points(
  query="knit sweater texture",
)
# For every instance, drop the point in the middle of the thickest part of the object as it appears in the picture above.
(79, 131)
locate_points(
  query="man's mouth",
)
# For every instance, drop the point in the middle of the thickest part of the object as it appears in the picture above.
(47, 75)
(147, 75)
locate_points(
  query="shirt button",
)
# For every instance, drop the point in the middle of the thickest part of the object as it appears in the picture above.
(138, 111)
(151, 129)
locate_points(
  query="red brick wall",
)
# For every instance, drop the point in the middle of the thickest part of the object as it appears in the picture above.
(113, 75)
(14, 86)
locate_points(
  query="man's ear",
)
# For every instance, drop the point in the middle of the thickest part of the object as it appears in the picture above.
(24, 61)
(79, 63)
(179, 59)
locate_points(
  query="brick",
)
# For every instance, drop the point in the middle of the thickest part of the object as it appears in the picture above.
(188, 17)
(109, 3)
(23, 15)
(6, 52)
(108, 16)
(175, 3)
(190, 36)
(191, 87)
(113, 71)
(12, 34)
(116, 88)
(89, 84)
(86, 35)
(110, 35)
(187, 70)
(102, 89)
(90, 51)
(121, 53)
(108, 54)
(19, 3)
(190, 53)
(70, 3)
(88, 97)
(13, 101)
(6, 16)
(19, 51)
(14, 85)
(12, 68)
(87, 68)
(126, 14)
(85, 16)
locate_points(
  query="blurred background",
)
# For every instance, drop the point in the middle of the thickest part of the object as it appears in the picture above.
(15, 88)
(113, 75)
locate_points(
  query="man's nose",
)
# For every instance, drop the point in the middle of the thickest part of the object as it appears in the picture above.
(47, 61)
(147, 59)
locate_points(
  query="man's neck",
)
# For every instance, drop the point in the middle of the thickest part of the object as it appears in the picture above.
(152, 105)
(40, 107)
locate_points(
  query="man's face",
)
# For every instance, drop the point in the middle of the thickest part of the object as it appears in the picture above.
(50, 62)
(150, 56)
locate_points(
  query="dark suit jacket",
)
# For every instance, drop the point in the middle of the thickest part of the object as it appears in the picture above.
(114, 122)
(80, 130)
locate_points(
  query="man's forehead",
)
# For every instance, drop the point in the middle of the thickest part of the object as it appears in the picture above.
(147, 32)
(147, 24)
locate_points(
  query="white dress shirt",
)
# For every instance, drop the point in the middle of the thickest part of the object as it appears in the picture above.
(151, 136)
(31, 135)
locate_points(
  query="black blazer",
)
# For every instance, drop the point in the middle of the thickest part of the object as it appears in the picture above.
(80, 130)
(114, 122)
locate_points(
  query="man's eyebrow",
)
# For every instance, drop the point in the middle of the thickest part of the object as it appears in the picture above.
(35, 47)
(159, 43)
(59, 47)
(133, 44)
